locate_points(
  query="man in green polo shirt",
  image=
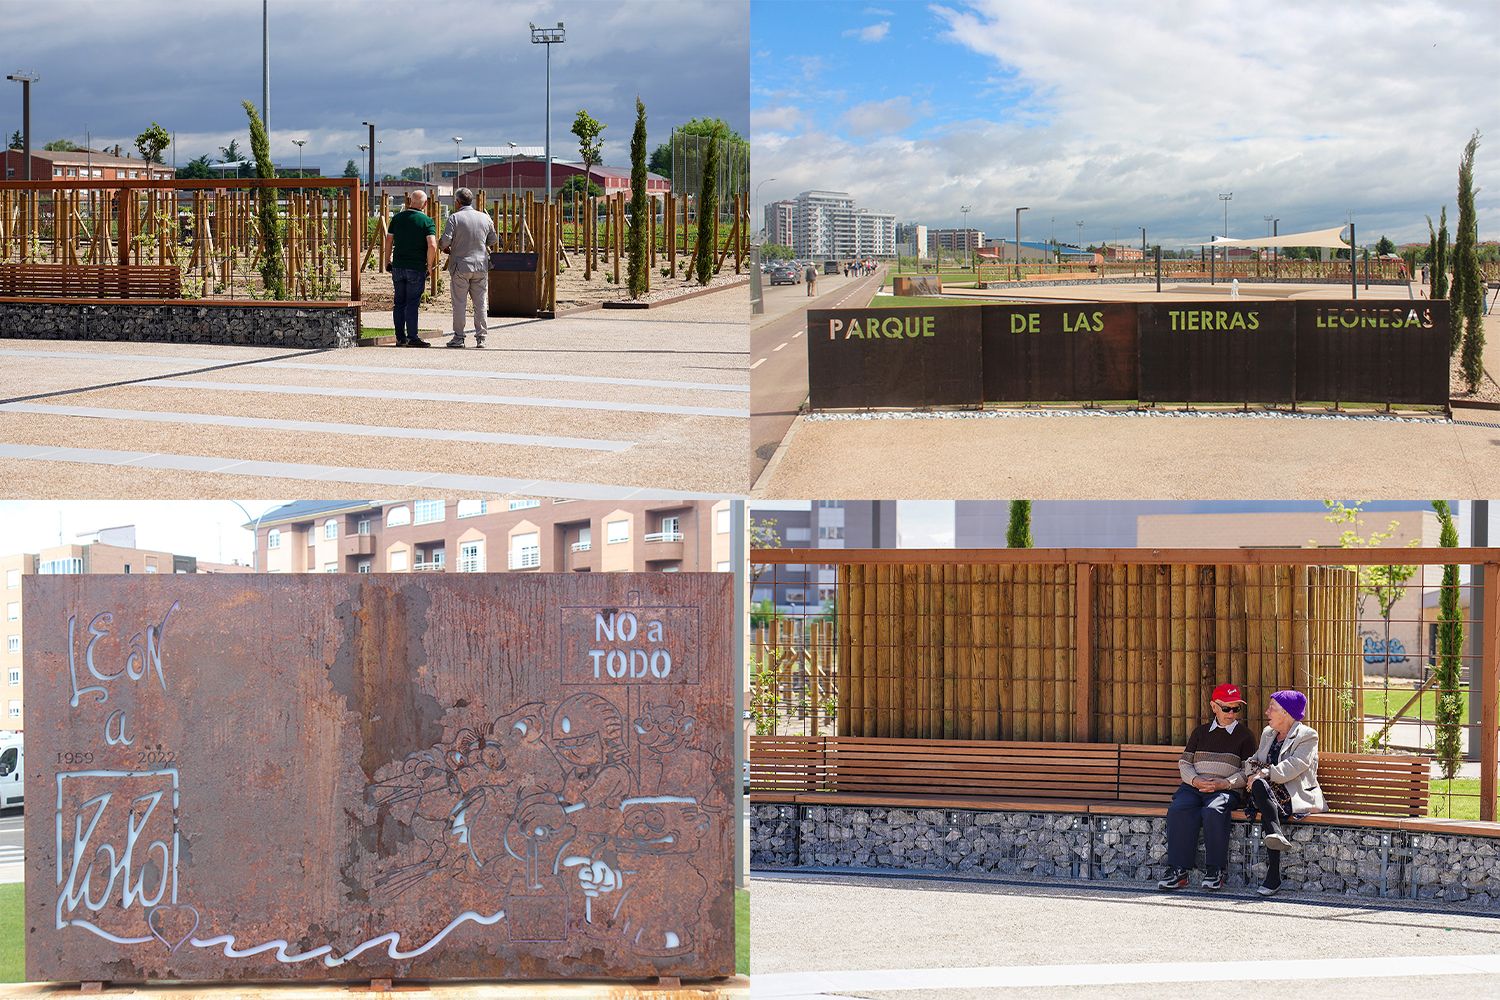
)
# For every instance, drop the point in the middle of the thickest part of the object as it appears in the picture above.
(410, 253)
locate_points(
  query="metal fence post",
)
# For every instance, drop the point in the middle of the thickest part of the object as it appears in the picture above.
(1489, 716)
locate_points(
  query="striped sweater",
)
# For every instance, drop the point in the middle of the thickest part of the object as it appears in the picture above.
(1217, 753)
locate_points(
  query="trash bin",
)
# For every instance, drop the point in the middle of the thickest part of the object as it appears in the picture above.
(830, 267)
(513, 287)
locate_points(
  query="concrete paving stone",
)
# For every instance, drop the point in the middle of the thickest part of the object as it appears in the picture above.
(50, 480)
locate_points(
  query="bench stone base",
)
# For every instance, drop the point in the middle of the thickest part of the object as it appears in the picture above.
(1326, 859)
(241, 325)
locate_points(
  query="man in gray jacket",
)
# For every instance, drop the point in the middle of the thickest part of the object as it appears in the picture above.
(468, 239)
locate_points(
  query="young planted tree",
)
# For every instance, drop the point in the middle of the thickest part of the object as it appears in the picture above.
(587, 129)
(1018, 534)
(1468, 283)
(272, 268)
(641, 210)
(1384, 583)
(1385, 246)
(1440, 268)
(1450, 642)
(151, 142)
(708, 213)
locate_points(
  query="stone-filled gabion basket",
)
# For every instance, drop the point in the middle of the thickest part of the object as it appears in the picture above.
(242, 325)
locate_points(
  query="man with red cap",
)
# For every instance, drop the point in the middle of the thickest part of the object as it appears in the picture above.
(1212, 766)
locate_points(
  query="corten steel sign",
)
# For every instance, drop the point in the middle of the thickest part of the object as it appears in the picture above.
(1393, 351)
(1219, 352)
(894, 357)
(1037, 353)
(357, 777)
(1177, 352)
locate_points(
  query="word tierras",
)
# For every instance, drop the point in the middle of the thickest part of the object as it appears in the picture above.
(891, 327)
(1213, 319)
(1365, 318)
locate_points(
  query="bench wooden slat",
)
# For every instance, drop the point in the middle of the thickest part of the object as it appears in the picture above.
(155, 281)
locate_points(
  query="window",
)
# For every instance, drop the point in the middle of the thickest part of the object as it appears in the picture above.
(12, 579)
(10, 758)
(471, 557)
(397, 516)
(60, 567)
(799, 534)
(273, 538)
(364, 526)
(585, 539)
(524, 504)
(13, 611)
(616, 531)
(98, 172)
(363, 567)
(722, 567)
(150, 569)
(396, 561)
(796, 597)
(15, 710)
(427, 511)
(12, 644)
(57, 171)
(472, 508)
(330, 528)
(830, 531)
(330, 567)
(525, 551)
(72, 171)
(721, 521)
(13, 677)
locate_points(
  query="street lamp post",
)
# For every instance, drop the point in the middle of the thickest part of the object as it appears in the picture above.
(1018, 239)
(299, 143)
(549, 37)
(1080, 234)
(371, 127)
(25, 80)
(966, 209)
(265, 66)
(254, 535)
(1224, 198)
(1275, 251)
(756, 200)
(457, 159)
(512, 168)
(1143, 248)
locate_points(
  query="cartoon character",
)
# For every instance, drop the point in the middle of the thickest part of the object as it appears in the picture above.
(671, 764)
(660, 835)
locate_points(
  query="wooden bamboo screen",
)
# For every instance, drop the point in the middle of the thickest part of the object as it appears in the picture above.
(949, 651)
(793, 670)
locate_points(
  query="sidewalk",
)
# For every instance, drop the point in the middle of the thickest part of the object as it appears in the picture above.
(913, 939)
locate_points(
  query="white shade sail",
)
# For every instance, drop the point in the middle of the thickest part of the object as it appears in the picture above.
(1312, 238)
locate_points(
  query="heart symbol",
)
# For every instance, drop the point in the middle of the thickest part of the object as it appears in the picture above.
(174, 918)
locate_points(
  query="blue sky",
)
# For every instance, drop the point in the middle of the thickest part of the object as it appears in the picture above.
(1129, 115)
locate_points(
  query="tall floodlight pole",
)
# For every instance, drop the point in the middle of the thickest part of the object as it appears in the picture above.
(457, 161)
(512, 168)
(25, 80)
(1275, 251)
(1225, 198)
(371, 207)
(265, 65)
(966, 209)
(299, 143)
(549, 37)
(1080, 234)
(1018, 240)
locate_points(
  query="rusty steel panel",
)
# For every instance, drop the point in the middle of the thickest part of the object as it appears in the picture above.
(894, 357)
(1218, 352)
(352, 777)
(1372, 351)
(1061, 353)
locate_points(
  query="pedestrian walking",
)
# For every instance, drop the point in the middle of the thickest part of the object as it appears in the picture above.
(410, 251)
(812, 279)
(469, 238)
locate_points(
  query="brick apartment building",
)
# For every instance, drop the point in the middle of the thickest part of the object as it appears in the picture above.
(47, 164)
(476, 536)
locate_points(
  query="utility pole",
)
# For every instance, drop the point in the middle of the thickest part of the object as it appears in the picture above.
(1479, 537)
(371, 206)
(1018, 240)
(549, 37)
(1225, 198)
(25, 80)
(965, 209)
(265, 66)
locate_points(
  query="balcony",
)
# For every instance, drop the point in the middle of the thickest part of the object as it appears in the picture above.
(433, 566)
(357, 545)
(526, 558)
(582, 546)
(662, 545)
(580, 555)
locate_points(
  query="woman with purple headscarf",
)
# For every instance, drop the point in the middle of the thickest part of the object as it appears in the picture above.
(1282, 778)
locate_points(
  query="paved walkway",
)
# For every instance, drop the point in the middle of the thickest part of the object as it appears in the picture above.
(598, 404)
(913, 939)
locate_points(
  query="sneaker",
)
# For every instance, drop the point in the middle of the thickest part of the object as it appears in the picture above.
(418, 342)
(1177, 878)
(1268, 889)
(1277, 841)
(457, 341)
(478, 341)
(1213, 879)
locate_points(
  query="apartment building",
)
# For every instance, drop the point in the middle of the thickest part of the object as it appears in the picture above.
(827, 224)
(822, 524)
(953, 241)
(109, 550)
(911, 239)
(477, 536)
(781, 222)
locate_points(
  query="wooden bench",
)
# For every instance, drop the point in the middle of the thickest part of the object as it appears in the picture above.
(1110, 778)
(90, 281)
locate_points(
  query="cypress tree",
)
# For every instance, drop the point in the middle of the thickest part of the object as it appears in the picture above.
(641, 208)
(1018, 535)
(1468, 283)
(272, 274)
(1440, 265)
(1431, 245)
(1450, 642)
(708, 212)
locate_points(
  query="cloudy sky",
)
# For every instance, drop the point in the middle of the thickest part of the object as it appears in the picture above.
(212, 530)
(421, 72)
(1129, 115)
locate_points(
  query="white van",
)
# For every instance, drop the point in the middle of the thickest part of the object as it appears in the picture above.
(12, 770)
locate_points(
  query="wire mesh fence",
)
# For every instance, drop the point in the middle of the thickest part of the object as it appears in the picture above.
(1124, 647)
(690, 153)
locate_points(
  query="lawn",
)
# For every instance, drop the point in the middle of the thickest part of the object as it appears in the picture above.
(13, 966)
(371, 332)
(12, 936)
(924, 301)
(1382, 702)
(1456, 799)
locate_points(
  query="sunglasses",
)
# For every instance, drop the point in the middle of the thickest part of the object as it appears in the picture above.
(1231, 709)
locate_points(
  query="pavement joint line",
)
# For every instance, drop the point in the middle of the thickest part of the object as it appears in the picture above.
(320, 427)
(151, 378)
(349, 474)
(172, 382)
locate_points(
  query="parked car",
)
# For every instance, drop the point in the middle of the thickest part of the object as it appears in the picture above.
(786, 274)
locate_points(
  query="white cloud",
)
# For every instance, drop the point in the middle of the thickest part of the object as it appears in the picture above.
(870, 33)
(1141, 116)
(777, 119)
(879, 12)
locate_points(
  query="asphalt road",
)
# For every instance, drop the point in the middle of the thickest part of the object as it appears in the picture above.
(916, 938)
(11, 844)
(778, 355)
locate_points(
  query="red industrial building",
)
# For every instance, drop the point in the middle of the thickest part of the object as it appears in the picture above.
(47, 164)
(530, 175)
